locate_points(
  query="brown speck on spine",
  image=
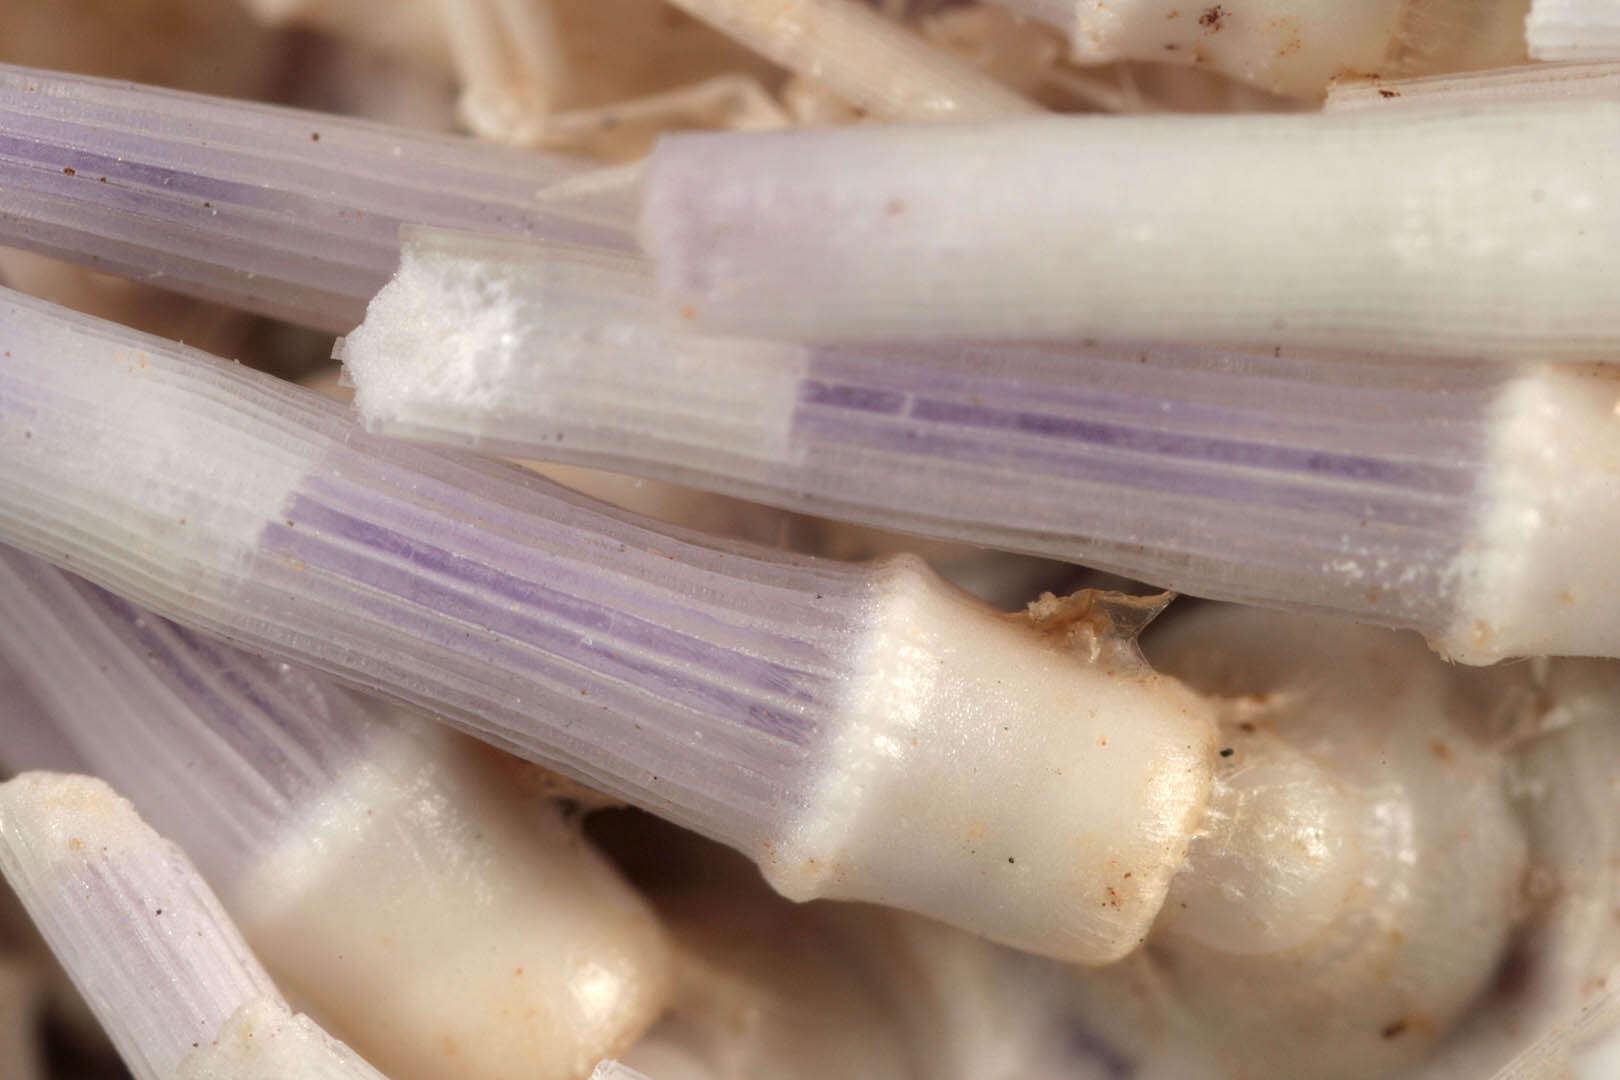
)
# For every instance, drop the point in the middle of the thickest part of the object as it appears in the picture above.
(69, 170)
(1389, 93)
(1212, 17)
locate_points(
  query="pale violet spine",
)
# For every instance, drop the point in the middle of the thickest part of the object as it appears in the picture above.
(1300, 480)
(29, 741)
(328, 823)
(1395, 231)
(284, 212)
(159, 962)
(220, 748)
(689, 675)
(726, 687)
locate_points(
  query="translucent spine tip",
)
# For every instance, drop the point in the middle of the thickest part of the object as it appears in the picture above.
(217, 746)
(148, 944)
(1311, 482)
(1076, 227)
(287, 213)
(687, 677)
(871, 62)
(1574, 30)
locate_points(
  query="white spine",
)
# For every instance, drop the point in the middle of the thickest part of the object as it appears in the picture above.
(499, 342)
(190, 482)
(1541, 577)
(265, 1041)
(1574, 30)
(1397, 232)
(510, 63)
(868, 60)
(1519, 85)
(1291, 47)
(1274, 44)
(148, 944)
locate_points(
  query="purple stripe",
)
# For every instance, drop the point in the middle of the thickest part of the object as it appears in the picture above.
(90, 167)
(504, 668)
(574, 539)
(1136, 440)
(1085, 384)
(179, 654)
(844, 396)
(553, 623)
(303, 170)
(587, 617)
(336, 191)
(370, 241)
(1084, 376)
(1138, 478)
(312, 713)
